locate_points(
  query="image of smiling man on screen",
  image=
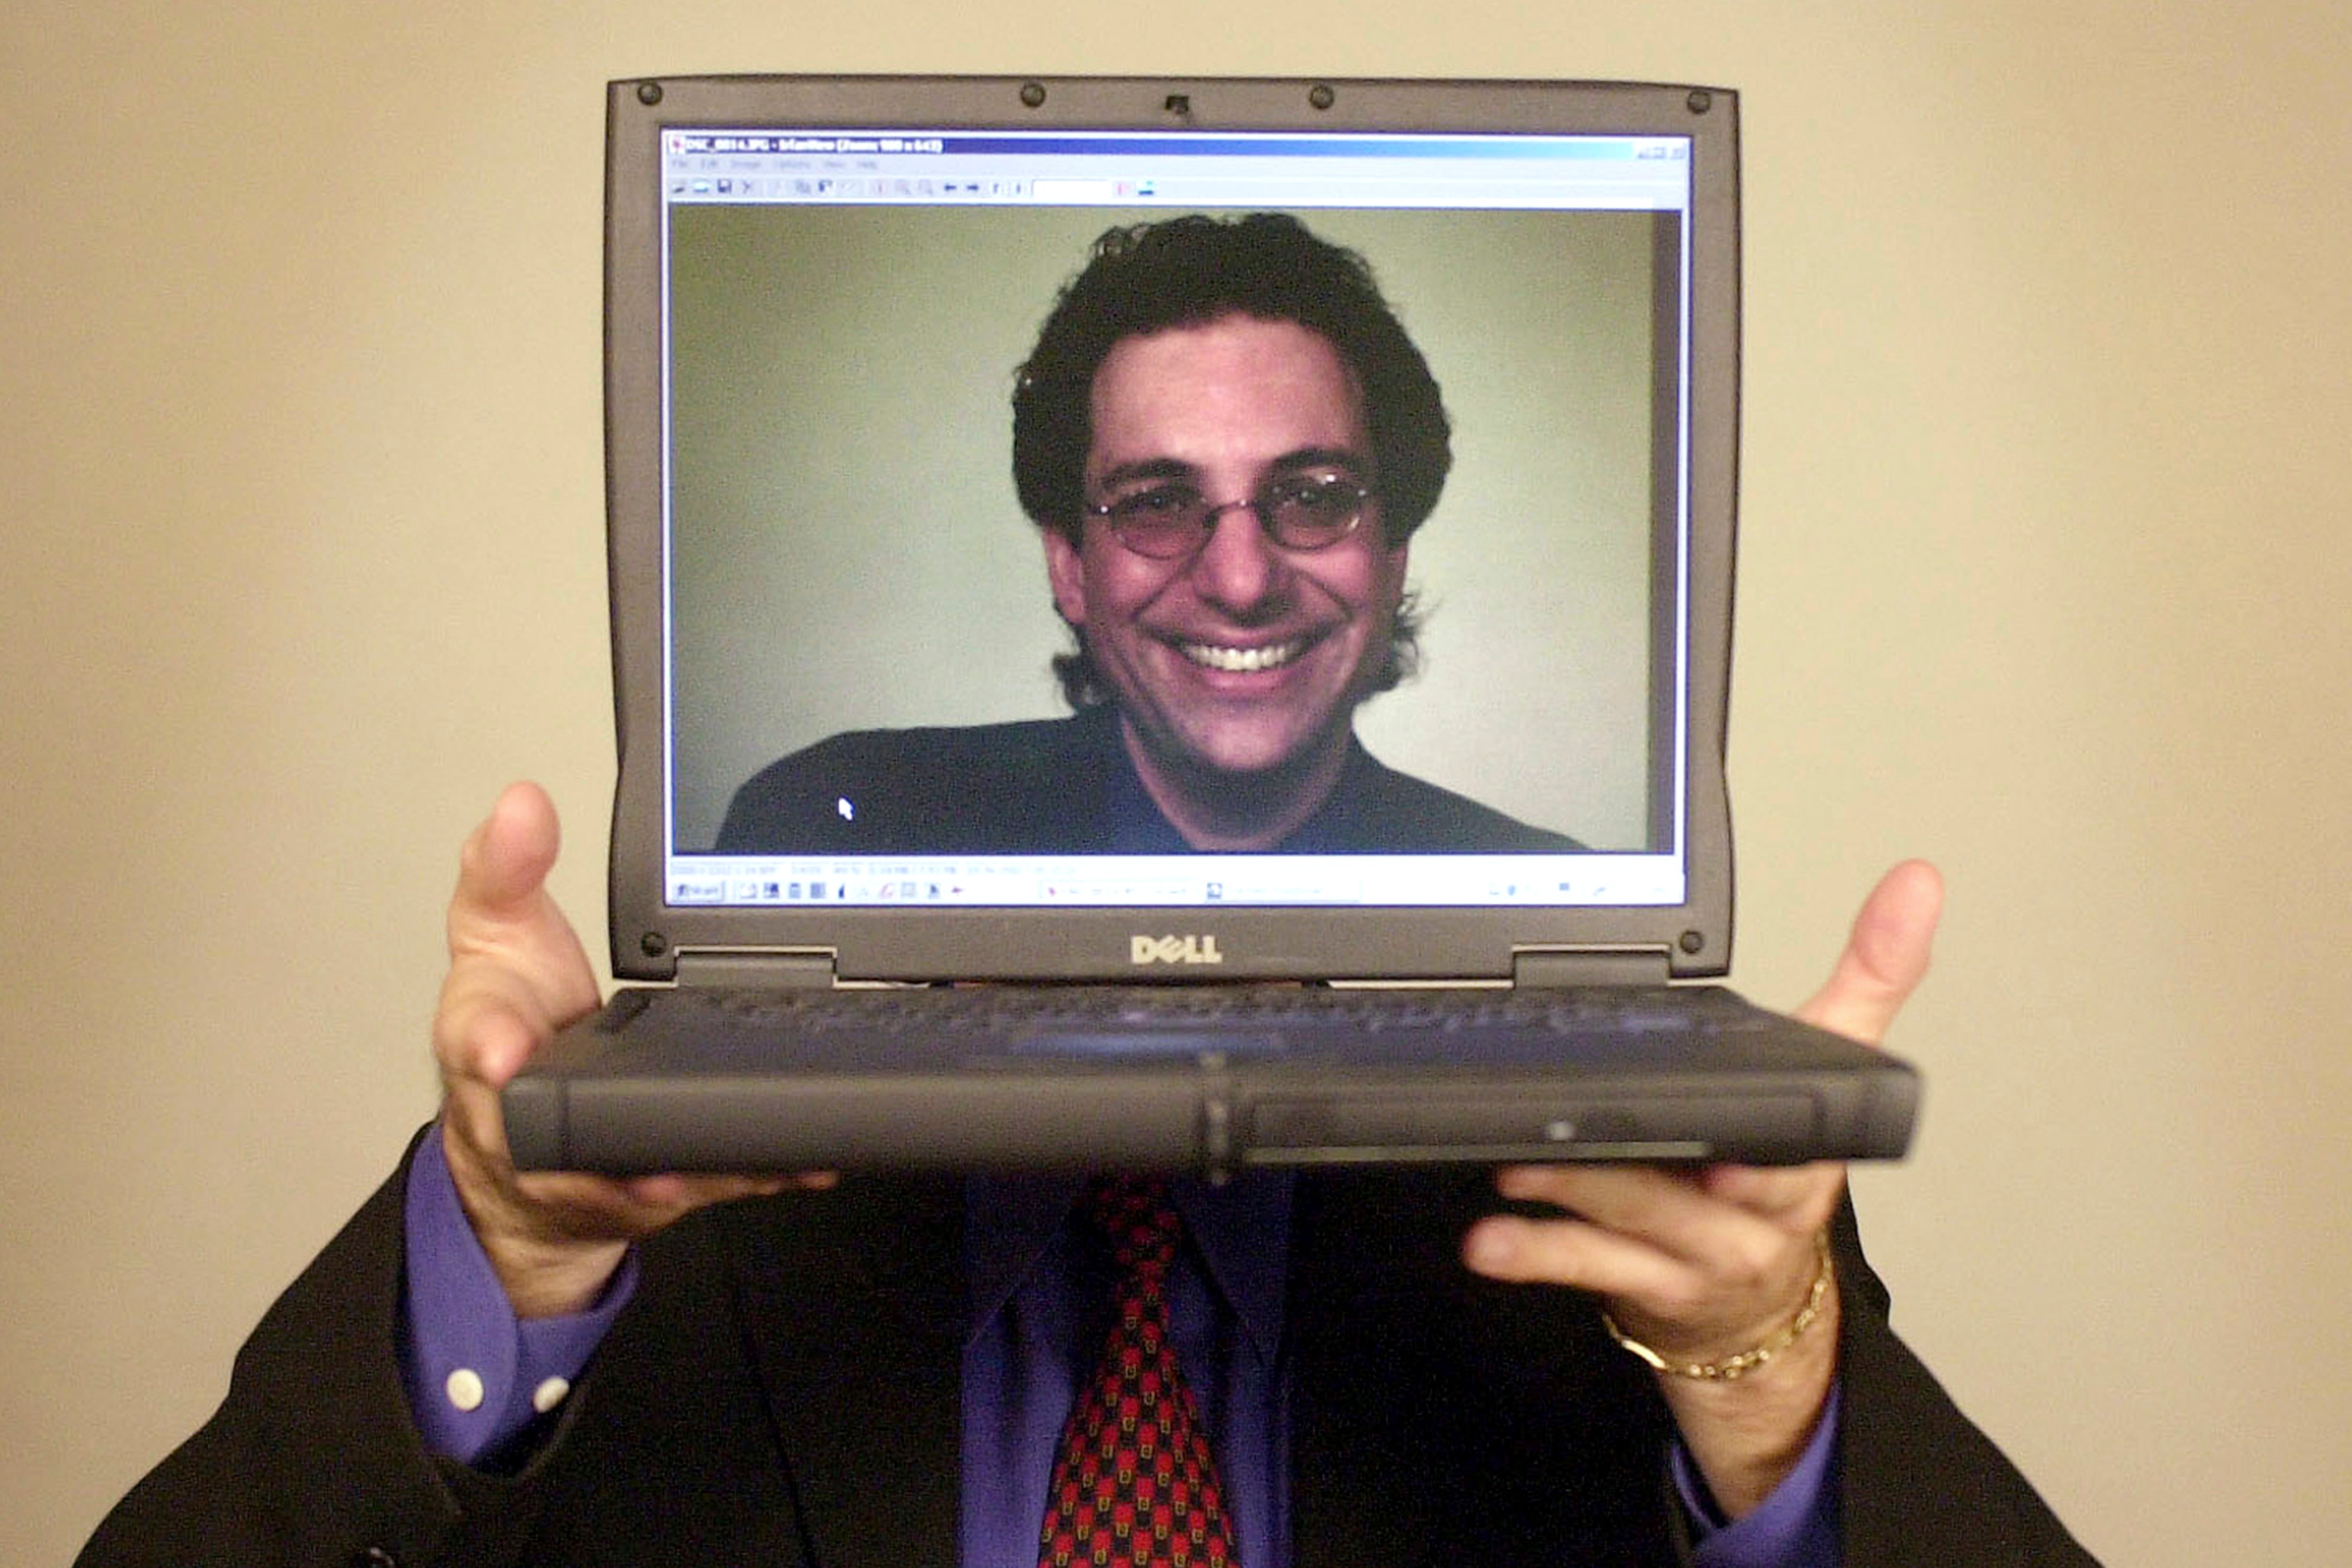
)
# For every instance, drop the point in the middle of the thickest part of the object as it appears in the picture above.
(1226, 441)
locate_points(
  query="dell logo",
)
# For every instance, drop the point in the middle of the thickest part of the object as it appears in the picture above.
(1173, 949)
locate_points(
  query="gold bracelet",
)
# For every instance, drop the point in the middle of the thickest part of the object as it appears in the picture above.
(1733, 1368)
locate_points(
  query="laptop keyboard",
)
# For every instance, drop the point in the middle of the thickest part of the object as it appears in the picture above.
(1013, 1011)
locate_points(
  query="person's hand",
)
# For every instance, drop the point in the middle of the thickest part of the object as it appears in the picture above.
(1704, 1264)
(517, 973)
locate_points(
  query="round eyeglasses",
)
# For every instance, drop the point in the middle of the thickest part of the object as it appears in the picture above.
(1172, 522)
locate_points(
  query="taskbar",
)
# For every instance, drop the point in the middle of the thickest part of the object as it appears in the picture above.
(1121, 882)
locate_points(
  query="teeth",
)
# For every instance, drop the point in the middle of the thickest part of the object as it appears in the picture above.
(1240, 660)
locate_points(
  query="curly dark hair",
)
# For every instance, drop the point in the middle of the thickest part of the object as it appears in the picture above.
(1187, 271)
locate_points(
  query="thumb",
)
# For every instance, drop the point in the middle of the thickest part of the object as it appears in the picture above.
(505, 862)
(1885, 955)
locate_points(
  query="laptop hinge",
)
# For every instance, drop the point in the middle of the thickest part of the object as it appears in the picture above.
(1623, 966)
(757, 971)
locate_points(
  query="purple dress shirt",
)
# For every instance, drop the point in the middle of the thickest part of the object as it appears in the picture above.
(483, 1384)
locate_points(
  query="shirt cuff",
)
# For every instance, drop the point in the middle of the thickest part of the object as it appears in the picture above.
(477, 1376)
(1795, 1527)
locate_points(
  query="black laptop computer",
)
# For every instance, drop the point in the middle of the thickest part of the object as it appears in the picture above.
(1175, 624)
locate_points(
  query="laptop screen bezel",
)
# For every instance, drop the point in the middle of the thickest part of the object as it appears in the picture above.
(649, 934)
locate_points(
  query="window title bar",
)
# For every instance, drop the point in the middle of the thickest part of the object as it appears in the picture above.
(1182, 145)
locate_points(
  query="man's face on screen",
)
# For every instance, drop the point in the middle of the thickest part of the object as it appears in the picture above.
(1243, 655)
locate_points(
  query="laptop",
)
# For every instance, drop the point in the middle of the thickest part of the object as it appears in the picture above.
(1175, 624)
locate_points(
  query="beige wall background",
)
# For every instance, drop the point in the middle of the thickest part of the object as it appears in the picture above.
(2044, 569)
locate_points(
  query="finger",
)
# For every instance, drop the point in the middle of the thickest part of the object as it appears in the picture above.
(576, 1206)
(1648, 1201)
(500, 907)
(1578, 1254)
(684, 1192)
(1884, 957)
(1793, 1197)
(1687, 1216)
(503, 866)
(489, 1028)
(516, 970)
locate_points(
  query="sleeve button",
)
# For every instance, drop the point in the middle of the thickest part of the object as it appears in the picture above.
(464, 1388)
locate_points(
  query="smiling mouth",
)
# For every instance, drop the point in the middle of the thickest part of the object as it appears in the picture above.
(1242, 660)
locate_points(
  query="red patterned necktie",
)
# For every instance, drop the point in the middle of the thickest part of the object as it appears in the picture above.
(1134, 1485)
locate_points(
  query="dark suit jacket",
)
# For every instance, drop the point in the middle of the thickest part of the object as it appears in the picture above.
(1064, 787)
(783, 1389)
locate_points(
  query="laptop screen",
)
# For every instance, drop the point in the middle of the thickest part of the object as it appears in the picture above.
(846, 316)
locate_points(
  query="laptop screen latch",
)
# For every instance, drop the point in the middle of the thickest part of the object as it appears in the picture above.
(1552, 969)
